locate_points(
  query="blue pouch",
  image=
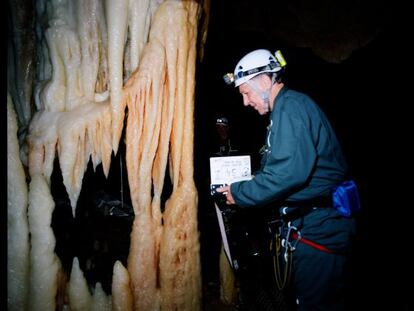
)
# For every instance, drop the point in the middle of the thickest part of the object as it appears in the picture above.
(345, 198)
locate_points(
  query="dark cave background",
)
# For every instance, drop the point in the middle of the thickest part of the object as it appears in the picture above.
(352, 58)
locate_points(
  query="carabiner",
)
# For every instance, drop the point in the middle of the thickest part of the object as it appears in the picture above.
(290, 245)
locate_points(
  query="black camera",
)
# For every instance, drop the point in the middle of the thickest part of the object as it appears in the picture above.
(213, 190)
(219, 197)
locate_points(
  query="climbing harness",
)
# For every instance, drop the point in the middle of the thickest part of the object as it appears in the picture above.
(285, 238)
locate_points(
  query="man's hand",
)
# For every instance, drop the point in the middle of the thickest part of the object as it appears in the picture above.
(227, 192)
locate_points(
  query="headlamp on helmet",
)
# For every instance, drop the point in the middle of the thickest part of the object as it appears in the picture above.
(222, 121)
(228, 78)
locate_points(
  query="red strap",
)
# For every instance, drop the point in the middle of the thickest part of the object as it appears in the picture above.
(312, 244)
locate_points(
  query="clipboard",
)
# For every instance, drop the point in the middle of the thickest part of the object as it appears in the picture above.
(224, 171)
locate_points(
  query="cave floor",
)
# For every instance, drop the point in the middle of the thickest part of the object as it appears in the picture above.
(211, 299)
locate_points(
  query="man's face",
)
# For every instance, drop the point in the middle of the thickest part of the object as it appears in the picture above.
(252, 98)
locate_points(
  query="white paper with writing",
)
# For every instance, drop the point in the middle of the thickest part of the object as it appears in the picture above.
(226, 170)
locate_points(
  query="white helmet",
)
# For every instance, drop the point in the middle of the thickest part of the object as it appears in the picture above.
(254, 63)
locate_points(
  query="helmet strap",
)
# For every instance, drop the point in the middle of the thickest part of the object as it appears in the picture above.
(265, 97)
(263, 94)
(266, 94)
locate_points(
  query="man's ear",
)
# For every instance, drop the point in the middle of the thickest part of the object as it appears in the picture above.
(265, 81)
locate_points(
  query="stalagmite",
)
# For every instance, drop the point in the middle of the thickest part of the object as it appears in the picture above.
(178, 256)
(144, 110)
(181, 289)
(17, 224)
(228, 292)
(44, 264)
(96, 59)
(100, 301)
(78, 292)
(122, 299)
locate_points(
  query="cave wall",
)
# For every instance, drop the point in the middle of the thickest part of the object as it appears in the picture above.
(100, 66)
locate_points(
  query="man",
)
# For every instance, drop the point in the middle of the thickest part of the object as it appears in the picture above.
(301, 164)
(225, 147)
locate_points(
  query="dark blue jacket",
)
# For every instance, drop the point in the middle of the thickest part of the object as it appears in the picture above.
(303, 158)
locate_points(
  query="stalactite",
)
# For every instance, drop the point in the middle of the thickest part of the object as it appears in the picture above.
(173, 31)
(144, 118)
(84, 84)
(76, 135)
(181, 289)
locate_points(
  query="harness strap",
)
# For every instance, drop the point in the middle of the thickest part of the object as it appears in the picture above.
(315, 245)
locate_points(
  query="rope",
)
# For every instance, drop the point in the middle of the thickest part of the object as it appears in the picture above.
(281, 281)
